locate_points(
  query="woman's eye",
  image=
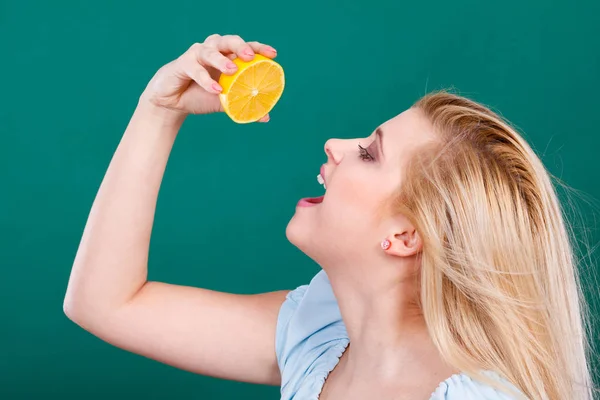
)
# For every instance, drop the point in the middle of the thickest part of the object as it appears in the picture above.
(364, 154)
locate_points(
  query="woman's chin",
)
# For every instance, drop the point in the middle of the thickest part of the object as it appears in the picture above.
(300, 234)
(293, 230)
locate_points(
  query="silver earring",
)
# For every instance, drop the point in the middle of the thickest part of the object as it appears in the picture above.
(386, 244)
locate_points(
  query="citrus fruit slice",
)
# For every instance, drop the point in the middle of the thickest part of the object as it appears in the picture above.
(250, 93)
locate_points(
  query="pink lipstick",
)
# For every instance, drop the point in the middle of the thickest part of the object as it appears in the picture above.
(310, 201)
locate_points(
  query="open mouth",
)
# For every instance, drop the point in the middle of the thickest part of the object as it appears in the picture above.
(313, 201)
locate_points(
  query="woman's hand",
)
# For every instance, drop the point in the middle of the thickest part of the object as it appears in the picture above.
(189, 84)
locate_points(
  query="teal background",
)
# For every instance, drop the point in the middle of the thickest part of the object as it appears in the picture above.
(71, 74)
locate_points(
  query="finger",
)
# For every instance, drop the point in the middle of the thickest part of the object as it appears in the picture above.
(263, 49)
(200, 75)
(235, 44)
(266, 118)
(211, 56)
(208, 55)
(212, 39)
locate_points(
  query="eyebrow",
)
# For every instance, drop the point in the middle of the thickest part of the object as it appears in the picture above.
(379, 133)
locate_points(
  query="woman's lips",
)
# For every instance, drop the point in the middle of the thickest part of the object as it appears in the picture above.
(310, 201)
(322, 171)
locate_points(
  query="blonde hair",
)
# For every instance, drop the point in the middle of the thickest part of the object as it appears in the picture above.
(499, 283)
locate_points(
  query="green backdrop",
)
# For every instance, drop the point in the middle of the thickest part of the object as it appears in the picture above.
(71, 74)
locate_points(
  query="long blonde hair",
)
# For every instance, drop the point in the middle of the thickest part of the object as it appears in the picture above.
(499, 283)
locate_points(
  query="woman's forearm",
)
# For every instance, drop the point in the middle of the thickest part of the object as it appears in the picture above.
(111, 262)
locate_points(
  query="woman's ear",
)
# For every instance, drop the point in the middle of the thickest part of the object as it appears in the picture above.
(407, 243)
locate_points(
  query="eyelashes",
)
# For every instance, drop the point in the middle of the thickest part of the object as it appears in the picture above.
(364, 154)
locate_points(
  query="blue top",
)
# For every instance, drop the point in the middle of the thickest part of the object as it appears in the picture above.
(311, 337)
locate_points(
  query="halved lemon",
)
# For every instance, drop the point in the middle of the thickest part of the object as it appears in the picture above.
(255, 88)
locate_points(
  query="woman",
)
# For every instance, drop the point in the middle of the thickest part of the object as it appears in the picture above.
(445, 260)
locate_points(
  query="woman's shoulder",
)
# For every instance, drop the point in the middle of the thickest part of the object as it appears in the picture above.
(486, 387)
(309, 317)
(310, 337)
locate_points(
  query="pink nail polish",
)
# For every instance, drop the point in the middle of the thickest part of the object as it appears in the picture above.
(248, 52)
(231, 65)
(216, 87)
(269, 48)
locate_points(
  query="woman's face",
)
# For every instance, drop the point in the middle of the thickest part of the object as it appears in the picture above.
(360, 174)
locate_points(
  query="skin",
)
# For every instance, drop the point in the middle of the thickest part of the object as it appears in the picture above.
(391, 355)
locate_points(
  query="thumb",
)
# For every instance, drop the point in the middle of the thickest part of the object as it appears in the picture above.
(199, 101)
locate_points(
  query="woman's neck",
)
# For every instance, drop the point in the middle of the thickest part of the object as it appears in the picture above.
(387, 331)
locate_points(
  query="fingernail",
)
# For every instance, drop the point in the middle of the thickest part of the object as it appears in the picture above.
(266, 118)
(231, 65)
(248, 52)
(216, 87)
(269, 48)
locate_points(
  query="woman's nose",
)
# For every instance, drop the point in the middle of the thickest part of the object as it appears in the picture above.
(333, 149)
